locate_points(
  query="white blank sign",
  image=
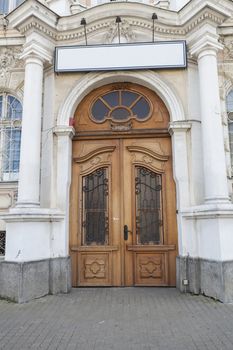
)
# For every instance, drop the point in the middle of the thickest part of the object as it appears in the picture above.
(160, 55)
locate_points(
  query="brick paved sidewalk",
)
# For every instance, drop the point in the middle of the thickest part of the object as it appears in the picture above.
(119, 319)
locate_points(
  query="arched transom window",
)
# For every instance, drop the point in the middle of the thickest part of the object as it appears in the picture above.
(120, 106)
(10, 136)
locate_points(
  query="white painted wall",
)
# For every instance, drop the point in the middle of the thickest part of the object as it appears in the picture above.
(176, 5)
(61, 7)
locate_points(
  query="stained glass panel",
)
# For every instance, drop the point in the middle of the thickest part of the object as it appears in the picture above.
(95, 208)
(148, 189)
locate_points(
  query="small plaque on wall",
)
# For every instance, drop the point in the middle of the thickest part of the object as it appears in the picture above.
(157, 55)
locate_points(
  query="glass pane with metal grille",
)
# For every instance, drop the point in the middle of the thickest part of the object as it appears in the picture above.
(148, 189)
(14, 108)
(11, 150)
(10, 135)
(2, 242)
(95, 208)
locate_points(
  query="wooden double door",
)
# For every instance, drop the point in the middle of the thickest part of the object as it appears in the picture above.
(123, 228)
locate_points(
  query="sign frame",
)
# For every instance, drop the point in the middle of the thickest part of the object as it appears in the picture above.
(183, 65)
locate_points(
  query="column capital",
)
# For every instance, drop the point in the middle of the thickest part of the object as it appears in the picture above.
(34, 50)
(64, 131)
(207, 44)
(179, 126)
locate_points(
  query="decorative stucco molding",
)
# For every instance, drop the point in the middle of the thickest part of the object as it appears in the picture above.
(126, 31)
(62, 34)
(9, 59)
(33, 15)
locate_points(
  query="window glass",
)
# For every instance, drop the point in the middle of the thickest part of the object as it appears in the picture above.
(0, 107)
(120, 105)
(99, 110)
(230, 123)
(120, 114)
(14, 108)
(141, 109)
(128, 98)
(148, 190)
(11, 150)
(95, 208)
(112, 98)
(230, 102)
(4, 5)
(10, 136)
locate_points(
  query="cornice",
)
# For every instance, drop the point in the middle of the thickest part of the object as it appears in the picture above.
(33, 15)
(106, 23)
(38, 25)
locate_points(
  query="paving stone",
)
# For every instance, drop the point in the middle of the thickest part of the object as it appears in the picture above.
(117, 319)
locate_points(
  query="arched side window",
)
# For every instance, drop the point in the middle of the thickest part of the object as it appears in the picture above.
(10, 137)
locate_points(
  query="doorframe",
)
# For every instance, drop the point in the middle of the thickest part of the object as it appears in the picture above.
(178, 128)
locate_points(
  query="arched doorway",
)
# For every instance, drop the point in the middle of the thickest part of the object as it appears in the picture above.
(123, 214)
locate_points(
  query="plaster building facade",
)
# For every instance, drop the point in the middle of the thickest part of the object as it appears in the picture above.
(116, 162)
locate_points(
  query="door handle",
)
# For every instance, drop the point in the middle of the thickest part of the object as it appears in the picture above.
(126, 232)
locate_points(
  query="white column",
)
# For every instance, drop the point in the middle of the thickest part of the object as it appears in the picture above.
(179, 131)
(64, 166)
(215, 176)
(29, 173)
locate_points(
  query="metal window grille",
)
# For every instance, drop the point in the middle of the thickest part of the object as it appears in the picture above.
(10, 137)
(2, 242)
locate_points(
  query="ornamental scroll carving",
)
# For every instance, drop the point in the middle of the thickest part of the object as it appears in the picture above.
(9, 59)
(228, 49)
(126, 31)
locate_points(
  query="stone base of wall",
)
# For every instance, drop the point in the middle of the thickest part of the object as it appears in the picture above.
(208, 277)
(24, 281)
